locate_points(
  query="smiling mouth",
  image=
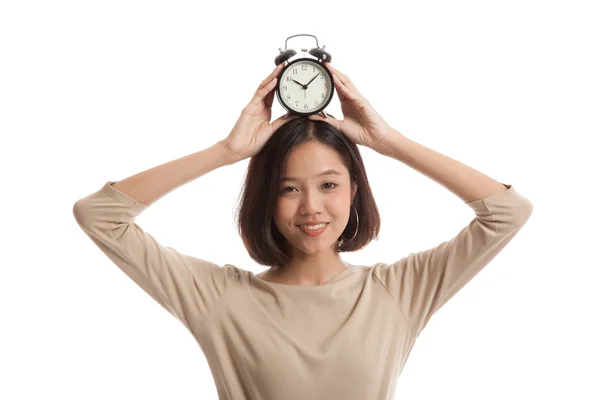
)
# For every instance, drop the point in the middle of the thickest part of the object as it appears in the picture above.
(314, 232)
(322, 223)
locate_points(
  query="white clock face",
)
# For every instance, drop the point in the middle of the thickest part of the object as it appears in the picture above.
(305, 86)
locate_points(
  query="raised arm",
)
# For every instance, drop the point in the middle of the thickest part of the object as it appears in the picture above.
(152, 184)
(186, 286)
(424, 281)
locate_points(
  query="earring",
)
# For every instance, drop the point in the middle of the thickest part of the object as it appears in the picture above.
(341, 240)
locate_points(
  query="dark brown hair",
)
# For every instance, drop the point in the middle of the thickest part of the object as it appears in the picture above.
(265, 244)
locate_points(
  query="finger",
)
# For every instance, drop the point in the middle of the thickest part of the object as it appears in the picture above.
(342, 77)
(266, 88)
(337, 83)
(330, 67)
(320, 115)
(261, 93)
(344, 91)
(276, 124)
(269, 78)
(329, 119)
(269, 97)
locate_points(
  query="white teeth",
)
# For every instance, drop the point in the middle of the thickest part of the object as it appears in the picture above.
(312, 227)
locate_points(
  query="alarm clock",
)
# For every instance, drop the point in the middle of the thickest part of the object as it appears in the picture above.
(305, 85)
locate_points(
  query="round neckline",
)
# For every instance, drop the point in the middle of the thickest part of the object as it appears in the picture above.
(336, 278)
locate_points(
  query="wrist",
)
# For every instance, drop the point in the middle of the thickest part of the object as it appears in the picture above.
(391, 137)
(231, 156)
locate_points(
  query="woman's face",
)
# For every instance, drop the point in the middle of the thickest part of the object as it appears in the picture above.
(313, 197)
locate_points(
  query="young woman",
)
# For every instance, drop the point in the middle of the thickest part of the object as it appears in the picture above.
(312, 326)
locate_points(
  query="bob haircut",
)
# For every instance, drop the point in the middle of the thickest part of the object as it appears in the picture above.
(265, 244)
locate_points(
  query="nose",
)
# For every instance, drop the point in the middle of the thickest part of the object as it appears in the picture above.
(311, 201)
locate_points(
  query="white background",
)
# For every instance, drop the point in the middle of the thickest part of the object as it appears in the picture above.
(98, 91)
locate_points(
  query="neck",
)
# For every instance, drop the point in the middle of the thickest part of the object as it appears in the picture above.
(311, 270)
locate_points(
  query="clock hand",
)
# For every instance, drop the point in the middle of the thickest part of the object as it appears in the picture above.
(306, 86)
(312, 80)
(303, 86)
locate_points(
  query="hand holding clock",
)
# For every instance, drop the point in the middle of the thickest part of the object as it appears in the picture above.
(361, 123)
(252, 130)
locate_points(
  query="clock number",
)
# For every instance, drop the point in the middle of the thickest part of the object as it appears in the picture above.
(288, 78)
(304, 66)
(316, 104)
(295, 71)
(306, 106)
(321, 76)
(289, 97)
(284, 87)
(322, 95)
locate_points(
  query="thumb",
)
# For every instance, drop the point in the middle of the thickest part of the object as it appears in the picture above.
(330, 119)
(276, 124)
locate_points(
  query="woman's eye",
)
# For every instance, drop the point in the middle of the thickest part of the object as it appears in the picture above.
(285, 189)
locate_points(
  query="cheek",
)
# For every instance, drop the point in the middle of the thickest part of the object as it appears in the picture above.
(285, 214)
(339, 203)
(284, 210)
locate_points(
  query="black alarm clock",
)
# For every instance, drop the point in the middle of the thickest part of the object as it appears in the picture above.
(305, 85)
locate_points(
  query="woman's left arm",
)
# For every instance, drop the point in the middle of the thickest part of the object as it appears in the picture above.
(464, 181)
(422, 282)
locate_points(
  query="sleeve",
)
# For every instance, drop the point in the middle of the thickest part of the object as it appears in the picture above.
(187, 287)
(424, 281)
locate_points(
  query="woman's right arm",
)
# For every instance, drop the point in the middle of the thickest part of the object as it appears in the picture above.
(186, 286)
(148, 186)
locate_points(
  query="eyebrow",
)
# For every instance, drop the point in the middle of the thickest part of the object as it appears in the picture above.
(327, 172)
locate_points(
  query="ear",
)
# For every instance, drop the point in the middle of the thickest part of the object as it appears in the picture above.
(354, 189)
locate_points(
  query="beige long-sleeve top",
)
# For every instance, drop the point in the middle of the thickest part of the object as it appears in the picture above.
(348, 338)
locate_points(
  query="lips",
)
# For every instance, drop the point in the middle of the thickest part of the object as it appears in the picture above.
(314, 232)
(312, 224)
